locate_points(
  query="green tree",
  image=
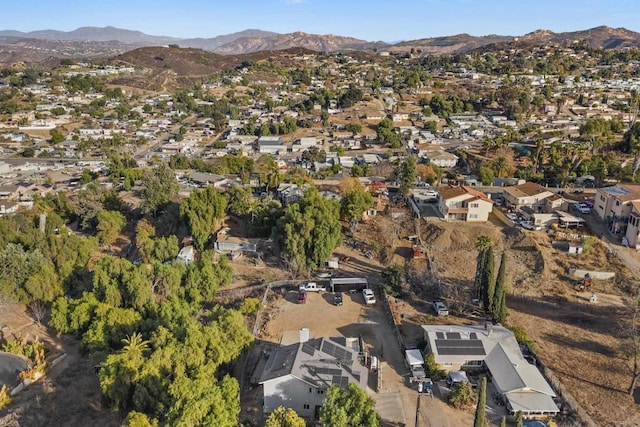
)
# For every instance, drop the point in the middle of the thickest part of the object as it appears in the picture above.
(483, 243)
(349, 407)
(486, 175)
(204, 210)
(499, 306)
(284, 417)
(463, 395)
(355, 203)
(407, 174)
(433, 369)
(395, 279)
(487, 283)
(309, 231)
(110, 224)
(160, 185)
(239, 200)
(480, 419)
(139, 419)
(503, 421)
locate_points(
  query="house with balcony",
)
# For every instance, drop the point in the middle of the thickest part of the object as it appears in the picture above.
(527, 195)
(463, 204)
(614, 205)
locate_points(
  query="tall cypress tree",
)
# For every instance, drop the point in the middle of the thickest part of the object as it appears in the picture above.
(481, 418)
(483, 243)
(498, 307)
(487, 284)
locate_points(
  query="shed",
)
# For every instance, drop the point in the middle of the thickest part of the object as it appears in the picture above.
(346, 284)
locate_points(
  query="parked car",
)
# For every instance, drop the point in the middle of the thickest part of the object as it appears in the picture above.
(529, 225)
(582, 208)
(440, 309)
(302, 297)
(369, 297)
(369, 255)
(337, 298)
(513, 217)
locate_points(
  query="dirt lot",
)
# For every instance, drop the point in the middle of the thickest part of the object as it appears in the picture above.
(69, 394)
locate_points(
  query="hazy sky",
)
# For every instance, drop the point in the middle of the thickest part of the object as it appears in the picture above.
(367, 19)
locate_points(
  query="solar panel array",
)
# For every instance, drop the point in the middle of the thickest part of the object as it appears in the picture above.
(459, 347)
(308, 349)
(339, 353)
(340, 381)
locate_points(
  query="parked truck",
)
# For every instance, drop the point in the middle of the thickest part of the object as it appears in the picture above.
(312, 287)
(415, 362)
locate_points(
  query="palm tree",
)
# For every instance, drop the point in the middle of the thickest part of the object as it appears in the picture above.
(134, 345)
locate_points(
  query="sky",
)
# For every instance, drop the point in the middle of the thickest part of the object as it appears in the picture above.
(370, 20)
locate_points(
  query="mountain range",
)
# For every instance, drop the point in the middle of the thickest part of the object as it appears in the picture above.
(94, 42)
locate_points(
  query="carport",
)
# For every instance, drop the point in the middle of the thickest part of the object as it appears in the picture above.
(566, 220)
(346, 284)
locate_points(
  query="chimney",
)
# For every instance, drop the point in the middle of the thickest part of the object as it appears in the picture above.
(304, 334)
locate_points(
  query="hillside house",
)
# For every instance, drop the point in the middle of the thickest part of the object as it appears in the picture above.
(527, 194)
(271, 145)
(463, 204)
(614, 204)
(519, 383)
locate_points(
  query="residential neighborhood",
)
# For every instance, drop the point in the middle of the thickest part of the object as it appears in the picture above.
(368, 235)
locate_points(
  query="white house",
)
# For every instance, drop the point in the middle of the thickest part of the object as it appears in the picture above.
(296, 376)
(519, 383)
(463, 203)
(614, 205)
(527, 194)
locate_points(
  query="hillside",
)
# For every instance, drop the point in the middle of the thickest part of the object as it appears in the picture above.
(600, 37)
(448, 44)
(316, 42)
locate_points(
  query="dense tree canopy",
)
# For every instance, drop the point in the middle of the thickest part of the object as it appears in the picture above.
(160, 185)
(349, 407)
(309, 231)
(204, 210)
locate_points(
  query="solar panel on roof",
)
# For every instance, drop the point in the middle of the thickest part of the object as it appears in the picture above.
(439, 335)
(453, 335)
(459, 343)
(473, 336)
(308, 349)
(337, 352)
(461, 351)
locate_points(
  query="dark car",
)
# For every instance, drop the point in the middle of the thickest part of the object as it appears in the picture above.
(337, 298)
(302, 297)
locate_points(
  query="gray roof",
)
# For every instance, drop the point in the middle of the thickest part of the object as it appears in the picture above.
(511, 372)
(320, 362)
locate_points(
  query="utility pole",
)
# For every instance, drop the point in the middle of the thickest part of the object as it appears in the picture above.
(418, 411)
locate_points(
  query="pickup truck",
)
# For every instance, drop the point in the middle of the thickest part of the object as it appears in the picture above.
(312, 287)
(440, 309)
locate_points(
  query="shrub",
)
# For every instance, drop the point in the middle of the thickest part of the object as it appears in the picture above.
(463, 395)
(5, 397)
(250, 306)
(432, 368)
(522, 337)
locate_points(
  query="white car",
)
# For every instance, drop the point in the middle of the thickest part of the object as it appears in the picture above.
(582, 208)
(369, 297)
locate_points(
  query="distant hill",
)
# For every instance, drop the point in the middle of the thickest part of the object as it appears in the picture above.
(316, 42)
(95, 34)
(600, 37)
(216, 42)
(94, 42)
(448, 44)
